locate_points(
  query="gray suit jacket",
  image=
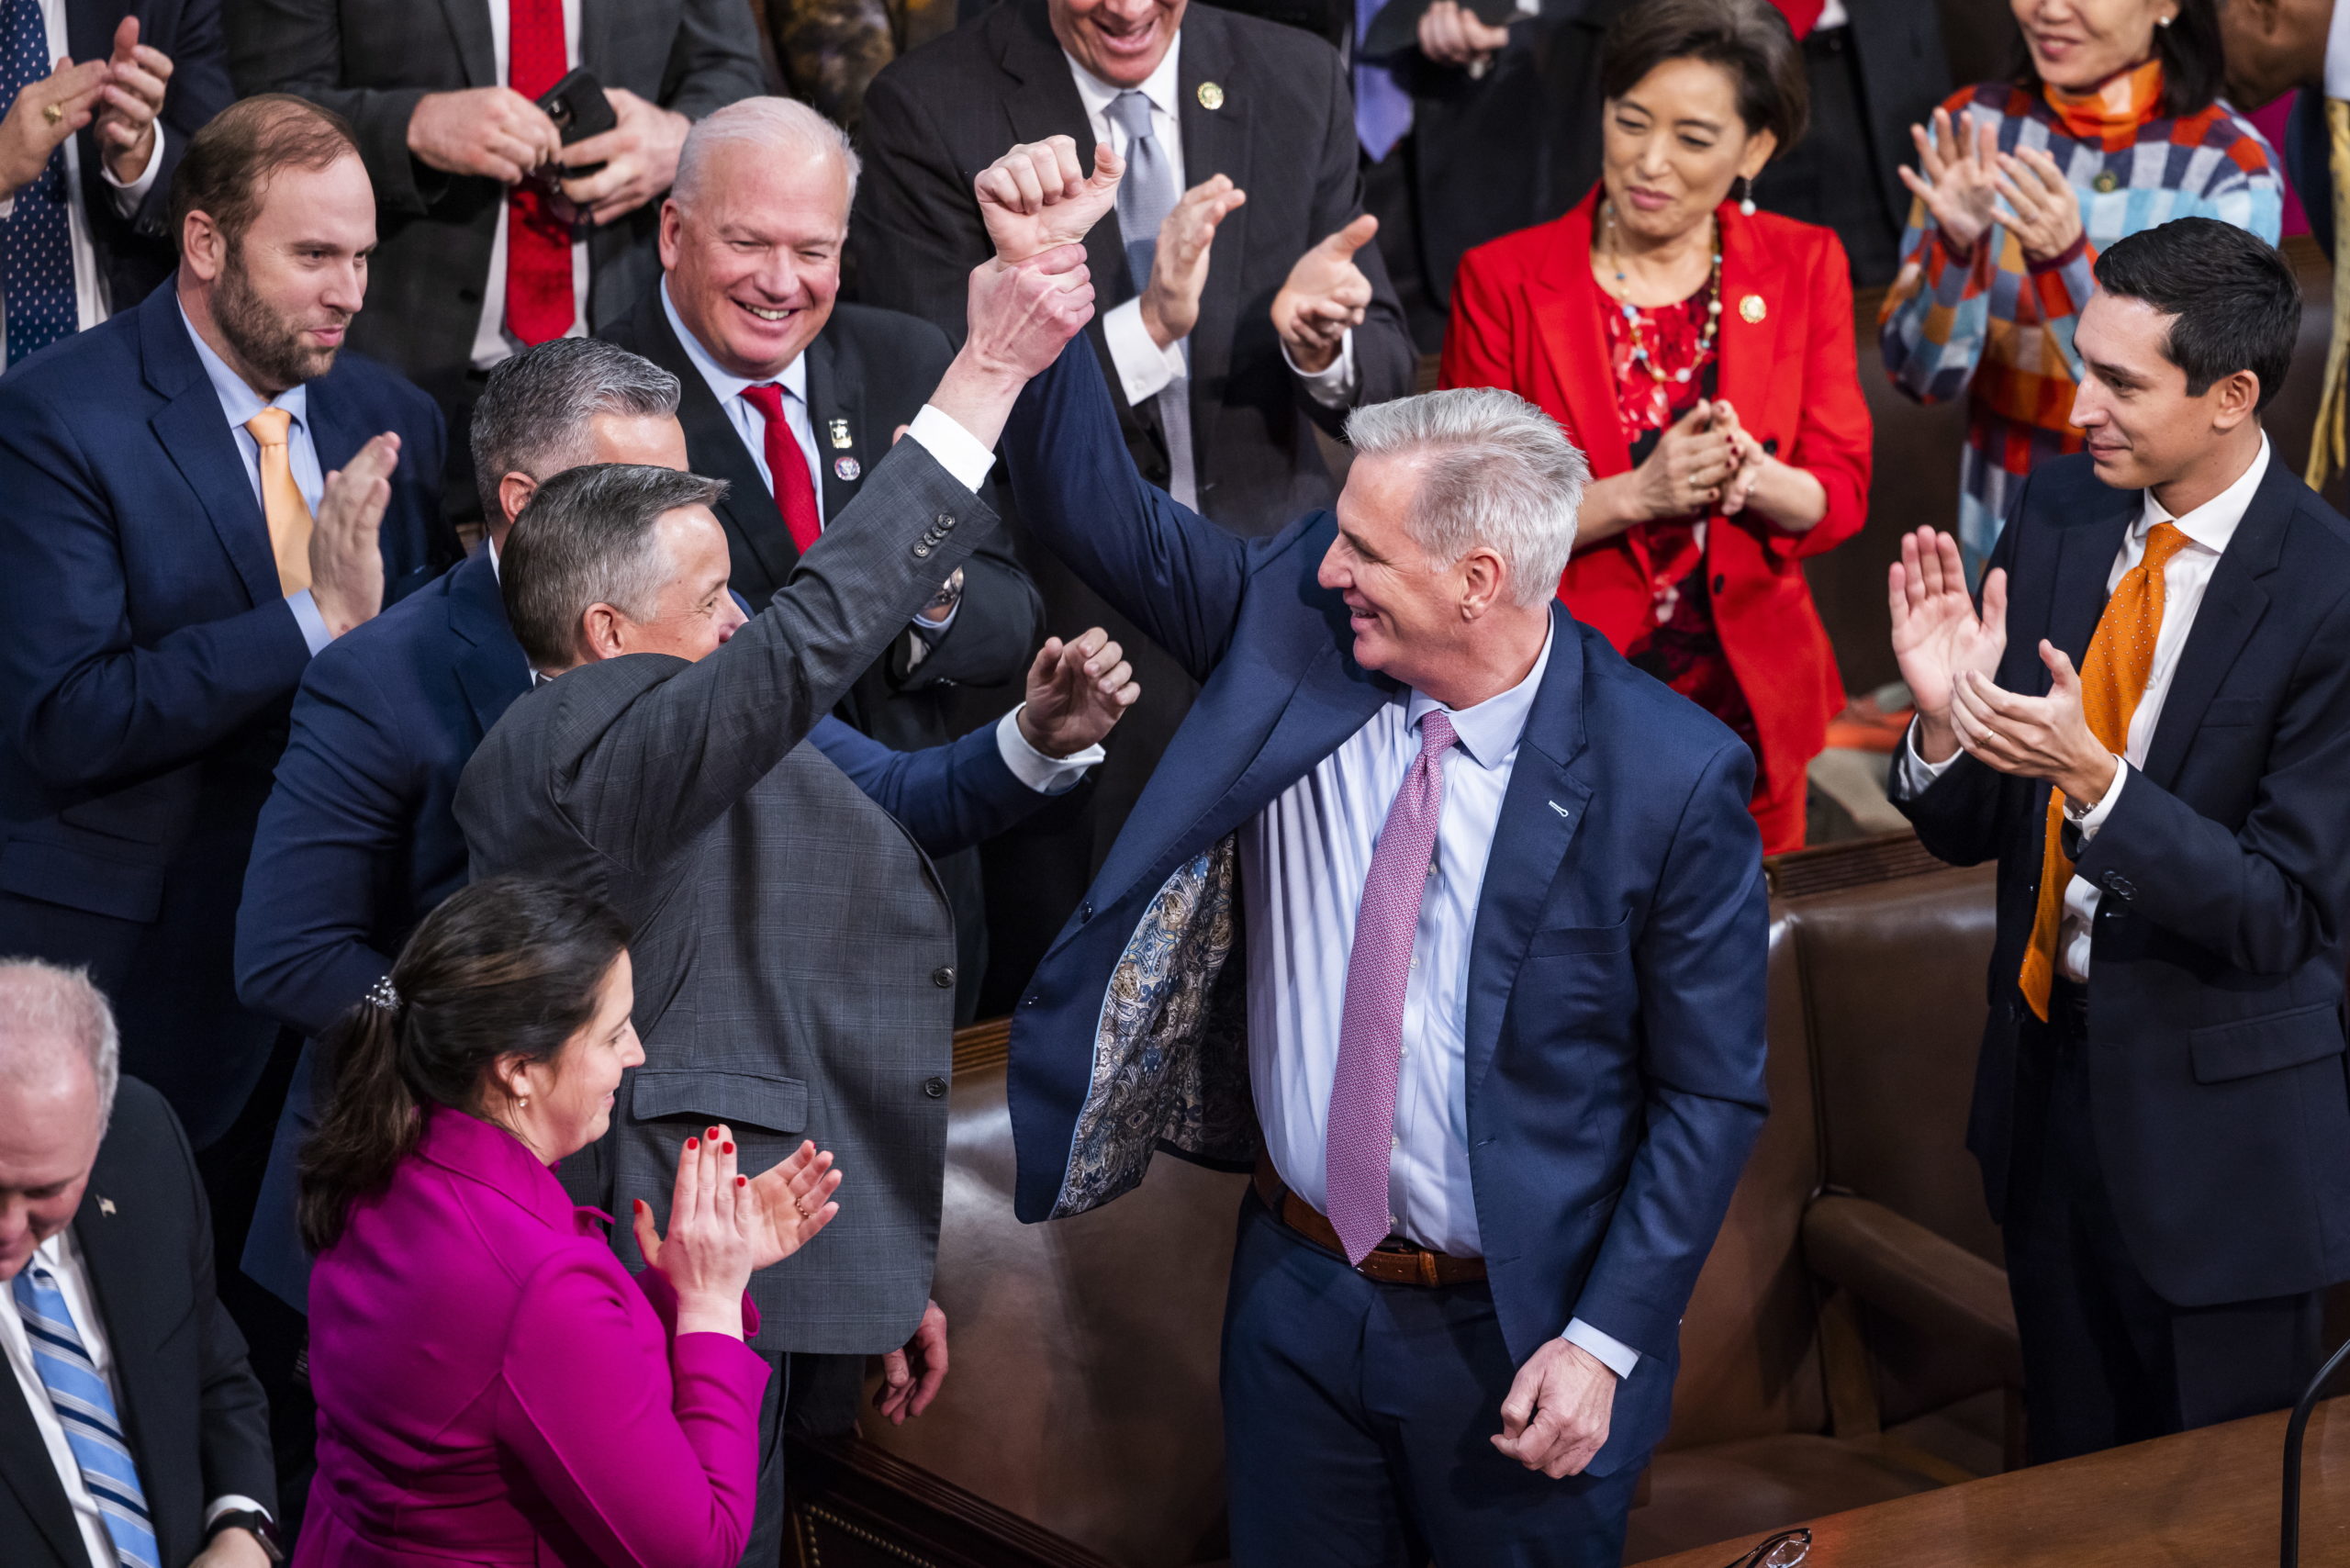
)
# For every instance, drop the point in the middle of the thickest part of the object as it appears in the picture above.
(794, 954)
(370, 61)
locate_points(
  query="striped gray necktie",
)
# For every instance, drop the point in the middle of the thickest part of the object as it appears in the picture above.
(1145, 197)
(84, 1407)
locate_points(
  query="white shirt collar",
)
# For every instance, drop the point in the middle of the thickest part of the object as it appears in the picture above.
(238, 401)
(2213, 523)
(1158, 86)
(2337, 54)
(1489, 731)
(725, 385)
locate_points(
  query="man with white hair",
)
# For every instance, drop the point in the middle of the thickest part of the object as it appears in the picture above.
(1441, 915)
(131, 1433)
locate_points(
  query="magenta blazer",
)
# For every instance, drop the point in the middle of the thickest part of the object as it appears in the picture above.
(494, 1388)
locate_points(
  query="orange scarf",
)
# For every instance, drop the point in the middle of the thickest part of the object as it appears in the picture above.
(2109, 114)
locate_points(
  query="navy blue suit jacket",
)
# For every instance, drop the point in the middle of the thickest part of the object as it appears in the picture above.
(2217, 1082)
(1615, 1028)
(359, 839)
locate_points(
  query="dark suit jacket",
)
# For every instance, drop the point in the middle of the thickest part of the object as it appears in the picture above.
(794, 956)
(869, 372)
(2216, 1072)
(370, 61)
(2309, 164)
(1284, 133)
(152, 657)
(198, 1422)
(139, 251)
(1617, 974)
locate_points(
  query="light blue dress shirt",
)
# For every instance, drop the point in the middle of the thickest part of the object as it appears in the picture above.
(240, 402)
(1304, 861)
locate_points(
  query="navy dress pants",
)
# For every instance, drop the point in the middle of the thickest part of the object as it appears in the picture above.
(1357, 1419)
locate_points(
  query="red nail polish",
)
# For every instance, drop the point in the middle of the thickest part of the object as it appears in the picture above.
(693, 1143)
(742, 1180)
(727, 1148)
(712, 1133)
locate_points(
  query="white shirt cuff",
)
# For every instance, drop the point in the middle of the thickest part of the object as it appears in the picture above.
(957, 449)
(1613, 1353)
(2089, 821)
(307, 616)
(936, 629)
(1333, 386)
(234, 1503)
(1144, 368)
(1046, 775)
(128, 197)
(1912, 774)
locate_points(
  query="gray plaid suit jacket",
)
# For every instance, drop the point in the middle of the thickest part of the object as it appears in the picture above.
(793, 952)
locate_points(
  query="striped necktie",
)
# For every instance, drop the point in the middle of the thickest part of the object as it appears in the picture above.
(84, 1406)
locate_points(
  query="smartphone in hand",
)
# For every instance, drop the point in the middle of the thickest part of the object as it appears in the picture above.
(579, 109)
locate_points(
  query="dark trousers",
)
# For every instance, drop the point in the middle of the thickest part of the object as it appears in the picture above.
(2106, 1360)
(1358, 1420)
(808, 1396)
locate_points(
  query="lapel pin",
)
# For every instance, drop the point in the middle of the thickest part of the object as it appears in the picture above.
(1752, 309)
(1210, 96)
(105, 1205)
(846, 469)
(840, 433)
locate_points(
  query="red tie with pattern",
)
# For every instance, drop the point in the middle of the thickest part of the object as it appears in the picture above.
(538, 244)
(795, 490)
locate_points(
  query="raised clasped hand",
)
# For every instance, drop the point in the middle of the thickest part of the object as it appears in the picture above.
(1038, 196)
(1077, 691)
(1938, 637)
(1325, 294)
(1452, 34)
(1556, 1416)
(1179, 266)
(1959, 182)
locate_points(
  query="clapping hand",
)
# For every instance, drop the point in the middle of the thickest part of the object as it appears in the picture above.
(708, 1255)
(1960, 183)
(1077, 691)
(43, 113)
(1938, 639)
(346, 561)
(1749, 455)
(136, 77)
(1038, 196)
(1325, 294)
(1693, 459)
(2035, 737)
(787, 1205)
(2046, 216)
(639, 156)
(1179, 266)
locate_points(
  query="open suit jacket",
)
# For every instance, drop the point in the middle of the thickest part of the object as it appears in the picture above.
(150, 661)
(794, 954)
(2215, 1037)
(1616, 994)
(370, 61)
(197, 1423)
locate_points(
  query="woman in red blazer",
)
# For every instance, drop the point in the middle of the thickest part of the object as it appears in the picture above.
(1701, 354)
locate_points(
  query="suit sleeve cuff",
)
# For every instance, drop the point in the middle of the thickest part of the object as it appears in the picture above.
(1613, 1353)
(957, 449)
(2089, 821)
(126, 198)
(307, 616)
(1333, 386)
(1145, 370)
(1912, 774)
(234, 1503)
(1046, 775)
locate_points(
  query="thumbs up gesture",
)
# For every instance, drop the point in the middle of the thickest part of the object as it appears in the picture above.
(1325, 294)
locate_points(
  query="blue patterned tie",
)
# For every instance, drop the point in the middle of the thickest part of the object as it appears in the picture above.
(84, 1406)
(36, 256)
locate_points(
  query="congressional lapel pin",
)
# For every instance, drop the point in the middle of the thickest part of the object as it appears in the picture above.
(2105, 183)
(1210, 96)
(1752, 309)
(841, 438)
(846, 469)
(106, 1206)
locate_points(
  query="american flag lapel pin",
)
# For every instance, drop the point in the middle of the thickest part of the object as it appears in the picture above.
(106, 1206)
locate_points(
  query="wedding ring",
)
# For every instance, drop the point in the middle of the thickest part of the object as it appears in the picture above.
(53, 113)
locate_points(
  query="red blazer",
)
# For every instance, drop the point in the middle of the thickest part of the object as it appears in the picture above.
(1526, 317)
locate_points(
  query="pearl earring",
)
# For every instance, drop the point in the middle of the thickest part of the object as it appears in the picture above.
(522, 1102)
(1746, 196)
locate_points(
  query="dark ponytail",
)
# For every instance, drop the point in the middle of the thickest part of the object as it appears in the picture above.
(505, 969)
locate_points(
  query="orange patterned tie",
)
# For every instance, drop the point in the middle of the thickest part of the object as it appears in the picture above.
(2113, 679)
(280, 500)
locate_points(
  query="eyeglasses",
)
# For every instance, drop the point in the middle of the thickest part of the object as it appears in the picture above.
(1784, 1550)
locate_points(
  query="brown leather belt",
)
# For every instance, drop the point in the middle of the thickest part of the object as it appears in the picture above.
(1393, 1262)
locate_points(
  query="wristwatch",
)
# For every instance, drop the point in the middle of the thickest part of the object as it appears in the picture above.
(264, 1529)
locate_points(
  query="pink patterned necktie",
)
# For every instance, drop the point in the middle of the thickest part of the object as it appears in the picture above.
(1371, 1032)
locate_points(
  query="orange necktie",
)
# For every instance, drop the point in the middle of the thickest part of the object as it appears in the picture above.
(281, 501)
(2113, 679)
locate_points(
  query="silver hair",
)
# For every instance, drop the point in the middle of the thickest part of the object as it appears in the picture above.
(779, 125)
(533, 417)
(44, 1007)
(589, 537)
(1495, 470)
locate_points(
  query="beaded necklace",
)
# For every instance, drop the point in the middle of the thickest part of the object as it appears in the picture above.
(1632, 315)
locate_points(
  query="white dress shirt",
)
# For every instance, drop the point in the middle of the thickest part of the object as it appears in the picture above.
(62, 1259)
(1145, 369)
(240, 402)
(92, 299)
(2208, 529)
(492, 342)
(2338, 54)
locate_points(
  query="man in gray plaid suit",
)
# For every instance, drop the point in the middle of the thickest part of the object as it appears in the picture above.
(794, 953)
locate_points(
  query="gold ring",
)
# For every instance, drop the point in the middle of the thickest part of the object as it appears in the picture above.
(53, 113)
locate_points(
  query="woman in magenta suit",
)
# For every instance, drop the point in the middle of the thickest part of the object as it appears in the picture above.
(493, 1387)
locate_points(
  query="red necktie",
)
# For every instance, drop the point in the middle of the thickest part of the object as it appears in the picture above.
(795, 490)
(538, 243)
(1801, 15)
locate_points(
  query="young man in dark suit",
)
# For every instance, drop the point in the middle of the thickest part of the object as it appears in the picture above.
(791, 396)
(1442, 917)
(130, 1431)
(2147, 724)
(201, 494)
